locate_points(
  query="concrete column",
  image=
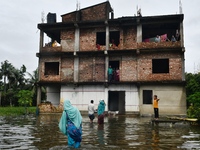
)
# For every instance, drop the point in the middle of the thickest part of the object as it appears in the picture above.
(38, 95)
(106, 56)
(181, 34)
(139, 33)
(41, 40)
(40, 47)
(106, 99)
(106, 68)
(183, 50)
(76, 49)
(77, 40)
(107, 38)
(76, 69)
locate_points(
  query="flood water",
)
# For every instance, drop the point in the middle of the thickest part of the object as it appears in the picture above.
(118, 133)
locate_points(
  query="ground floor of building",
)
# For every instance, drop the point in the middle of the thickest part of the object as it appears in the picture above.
(122, 98)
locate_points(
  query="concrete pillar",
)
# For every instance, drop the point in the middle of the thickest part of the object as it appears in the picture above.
(41, 40)
(40, 47)
(76, 59)
(77, 39)
(106, 57)
(183, 50)
(139, 33)
(107, 38)
(76, 69)
(38, 95)
(106, 99)
(181, 34)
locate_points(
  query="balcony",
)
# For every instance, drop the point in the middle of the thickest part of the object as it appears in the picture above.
(155, 45)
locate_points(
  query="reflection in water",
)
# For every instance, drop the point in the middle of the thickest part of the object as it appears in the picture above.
(100, 134)
(155, 137)
(119, 132)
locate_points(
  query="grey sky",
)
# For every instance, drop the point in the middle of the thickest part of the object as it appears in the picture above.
(19, 36)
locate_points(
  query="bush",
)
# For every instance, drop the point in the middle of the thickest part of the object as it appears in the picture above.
(7, 111)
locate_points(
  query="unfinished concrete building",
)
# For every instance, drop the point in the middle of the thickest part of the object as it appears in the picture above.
(144, 58)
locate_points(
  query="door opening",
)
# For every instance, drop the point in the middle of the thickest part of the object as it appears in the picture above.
(116, 101)
(115, 71)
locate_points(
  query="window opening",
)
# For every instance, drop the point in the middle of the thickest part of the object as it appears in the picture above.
(114, 38)
(160, 65)
(51, 68)
(147, 96)
(101, 38)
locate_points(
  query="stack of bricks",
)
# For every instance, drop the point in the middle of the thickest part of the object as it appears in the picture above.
(47, 107)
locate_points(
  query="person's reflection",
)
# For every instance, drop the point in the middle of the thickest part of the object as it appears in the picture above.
(117, 130)
(155, 137)
(100, 134)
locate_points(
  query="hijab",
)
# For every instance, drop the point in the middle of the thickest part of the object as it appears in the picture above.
(73, 113)
(101, 107)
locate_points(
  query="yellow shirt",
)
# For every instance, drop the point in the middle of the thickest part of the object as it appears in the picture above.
(155, 103)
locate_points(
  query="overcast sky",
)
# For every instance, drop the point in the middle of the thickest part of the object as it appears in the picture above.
(19, 36)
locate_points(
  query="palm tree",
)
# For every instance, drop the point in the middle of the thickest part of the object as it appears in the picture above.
(13, 80)
(6, 73)
(33, 85)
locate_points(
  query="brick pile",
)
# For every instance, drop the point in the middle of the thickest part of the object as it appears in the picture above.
(47, 107)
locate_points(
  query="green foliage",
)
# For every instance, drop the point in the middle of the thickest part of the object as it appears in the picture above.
(13, 111)
(192, 83)
(25, 98)
(12, 80)
(193, 95)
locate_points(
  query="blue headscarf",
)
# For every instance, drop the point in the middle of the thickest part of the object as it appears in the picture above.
(73, 114)
(101, 107)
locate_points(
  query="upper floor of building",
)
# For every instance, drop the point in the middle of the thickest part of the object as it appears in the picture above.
(95, 29)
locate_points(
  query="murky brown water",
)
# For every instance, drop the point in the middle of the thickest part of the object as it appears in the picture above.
(119, 133)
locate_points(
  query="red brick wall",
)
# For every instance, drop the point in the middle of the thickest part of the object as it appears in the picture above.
(42, 69)
(99, 70)
(68, 37)
(129, 38)
(88, 40)
(86, 69)
(145, 67)
(67, 69)
(97, 12)
(71, 17)
(128, 68)
(91, 69)
(94, 13)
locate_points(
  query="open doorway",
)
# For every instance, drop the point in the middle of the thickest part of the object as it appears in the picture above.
(116, 72)
(116, 101)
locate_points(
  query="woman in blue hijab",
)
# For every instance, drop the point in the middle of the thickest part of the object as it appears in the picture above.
(100, 112)
(71, 124)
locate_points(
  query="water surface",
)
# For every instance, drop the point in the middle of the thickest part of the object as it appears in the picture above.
(120, 132)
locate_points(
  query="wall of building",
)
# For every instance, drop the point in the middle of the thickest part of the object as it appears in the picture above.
(172, 99)
(67, 69)
(80, 96)
(68, 40)
(97, 12)
(144, 65)
(132, 68)
(53, 94)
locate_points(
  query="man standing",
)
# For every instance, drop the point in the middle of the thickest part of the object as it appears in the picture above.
(155, 106)
(91, 111)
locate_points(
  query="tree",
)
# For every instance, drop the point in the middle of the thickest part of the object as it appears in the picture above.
(25, 98)
(13, 81)
(33, 85)
(6, 73)
(193, 94)
(194, 109)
